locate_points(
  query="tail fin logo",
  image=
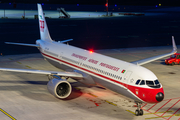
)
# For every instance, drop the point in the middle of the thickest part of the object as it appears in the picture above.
(41, 25)
(40, 17)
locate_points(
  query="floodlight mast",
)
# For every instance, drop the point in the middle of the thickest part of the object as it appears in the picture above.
(107, 7)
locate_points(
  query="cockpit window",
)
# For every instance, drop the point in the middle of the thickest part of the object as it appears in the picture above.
(149, 83)
(137, 82)
(153, 84)
(156, 82)
(142, 82)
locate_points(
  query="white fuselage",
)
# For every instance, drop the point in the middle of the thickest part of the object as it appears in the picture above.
(114, 74)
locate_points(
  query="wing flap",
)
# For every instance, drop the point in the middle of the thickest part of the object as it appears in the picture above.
(148, 60)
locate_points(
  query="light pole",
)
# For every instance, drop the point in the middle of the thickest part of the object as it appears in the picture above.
(107, 7)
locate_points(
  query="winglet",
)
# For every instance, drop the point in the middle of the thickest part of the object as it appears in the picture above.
(174, 45)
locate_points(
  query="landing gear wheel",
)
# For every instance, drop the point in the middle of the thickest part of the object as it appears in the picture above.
(141, 112)
(172, 63)
(137, 112)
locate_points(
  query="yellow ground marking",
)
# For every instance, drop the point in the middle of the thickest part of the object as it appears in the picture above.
(7, 114)
(111, 103)
(10, 58)
(92, 95)
(130, 112)
(28, 66)
(77, 88)
(177, 114)
(157, 112)
(151, 113)
(163, 116)
(19, 62)
(159, 117)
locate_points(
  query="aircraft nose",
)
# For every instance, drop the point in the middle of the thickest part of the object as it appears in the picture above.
(159, 96)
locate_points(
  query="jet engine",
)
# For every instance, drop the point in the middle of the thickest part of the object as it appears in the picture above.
(59, 87)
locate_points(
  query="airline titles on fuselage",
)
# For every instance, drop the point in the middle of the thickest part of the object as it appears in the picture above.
(79, 56)
(109, 66)
(95, 62)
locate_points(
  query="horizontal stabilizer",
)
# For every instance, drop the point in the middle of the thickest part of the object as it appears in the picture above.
(66, 40)
(31, 45)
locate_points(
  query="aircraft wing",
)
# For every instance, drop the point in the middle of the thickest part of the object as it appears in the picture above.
(63, 74)
(148, 60)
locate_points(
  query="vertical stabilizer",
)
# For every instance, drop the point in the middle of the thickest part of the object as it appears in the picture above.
(44, 32)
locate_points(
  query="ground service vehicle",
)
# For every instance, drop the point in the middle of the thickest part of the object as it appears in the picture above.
(174, 59)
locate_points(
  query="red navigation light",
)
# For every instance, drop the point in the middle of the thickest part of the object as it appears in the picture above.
(91, 51)
(106, 4)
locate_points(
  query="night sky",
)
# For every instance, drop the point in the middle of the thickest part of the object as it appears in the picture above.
(100, 2)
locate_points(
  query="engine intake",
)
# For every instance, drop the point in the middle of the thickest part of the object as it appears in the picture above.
(60, 88)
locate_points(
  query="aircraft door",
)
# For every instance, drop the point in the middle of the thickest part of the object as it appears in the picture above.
(80, 62)
(60, 57)
(127, 78)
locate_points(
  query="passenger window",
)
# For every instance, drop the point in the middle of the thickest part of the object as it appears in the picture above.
(137, 82)
(142, 82)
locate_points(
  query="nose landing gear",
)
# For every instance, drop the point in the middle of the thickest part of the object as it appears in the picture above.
(139, 111)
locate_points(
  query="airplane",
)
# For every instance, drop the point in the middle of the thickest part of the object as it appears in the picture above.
(90, 68)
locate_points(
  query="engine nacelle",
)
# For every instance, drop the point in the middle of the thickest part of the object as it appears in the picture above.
(59, 88)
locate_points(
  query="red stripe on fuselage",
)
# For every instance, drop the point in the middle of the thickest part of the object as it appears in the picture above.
(145, 94)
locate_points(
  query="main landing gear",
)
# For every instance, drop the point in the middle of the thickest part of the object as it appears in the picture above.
(139, 111)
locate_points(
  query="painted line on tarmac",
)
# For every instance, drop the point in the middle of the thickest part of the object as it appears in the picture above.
(174, 114)
(77, 88)
(97, 96)
(171, 107)
(157, 112)
(152, 107)
(92, 95)
(19, 62)
(164, 116)
(104, 100)
(154, 113)
(7, 114)
(164, 105)
(111, 103)
(158, 117)
(131, 112)
(28, 66)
